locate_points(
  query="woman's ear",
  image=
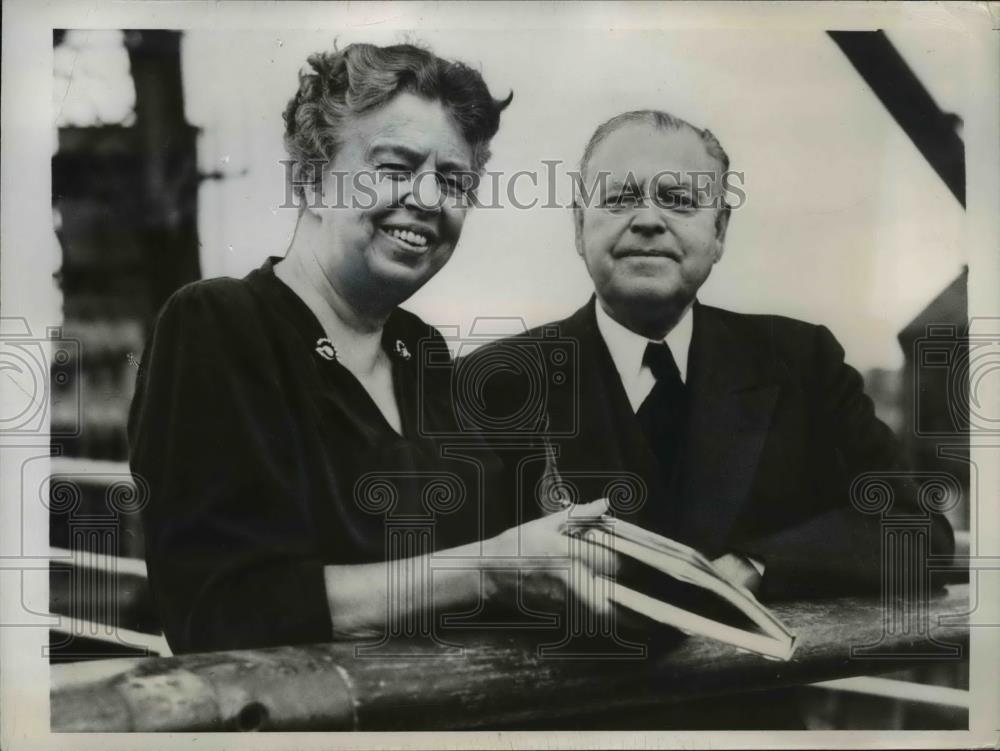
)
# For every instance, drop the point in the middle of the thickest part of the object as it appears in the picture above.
(312, 194)
(309, 176)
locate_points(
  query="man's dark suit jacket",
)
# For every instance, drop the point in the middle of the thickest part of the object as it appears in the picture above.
(778, 429)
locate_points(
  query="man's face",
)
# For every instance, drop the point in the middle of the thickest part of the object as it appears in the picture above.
(648, 237)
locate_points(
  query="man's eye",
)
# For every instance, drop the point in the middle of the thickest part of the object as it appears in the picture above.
(622, 201)
(394, 171)
(675, 199)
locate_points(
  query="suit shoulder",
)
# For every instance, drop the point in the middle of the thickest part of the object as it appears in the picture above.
(775, 332)
(799, 345)
(766, 324)
(553, 330)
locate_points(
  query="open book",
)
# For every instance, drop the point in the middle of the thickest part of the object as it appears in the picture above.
(671, 583)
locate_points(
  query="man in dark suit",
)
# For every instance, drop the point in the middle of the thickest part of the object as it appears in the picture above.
(739, 435)
(744, 433)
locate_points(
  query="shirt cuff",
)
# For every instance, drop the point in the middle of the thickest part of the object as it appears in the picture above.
(759, 565)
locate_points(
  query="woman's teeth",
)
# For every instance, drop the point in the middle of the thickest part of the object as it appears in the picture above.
(406, 236)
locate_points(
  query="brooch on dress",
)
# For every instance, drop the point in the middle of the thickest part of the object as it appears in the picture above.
(402, 351)
(326, 349)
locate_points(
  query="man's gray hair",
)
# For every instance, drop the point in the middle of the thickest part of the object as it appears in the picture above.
(658, 119)
(663, 121)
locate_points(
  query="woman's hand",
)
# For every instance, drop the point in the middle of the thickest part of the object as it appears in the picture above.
(546, 562)
(549, 564)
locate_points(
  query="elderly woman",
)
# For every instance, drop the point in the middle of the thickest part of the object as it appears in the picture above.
(271, 411)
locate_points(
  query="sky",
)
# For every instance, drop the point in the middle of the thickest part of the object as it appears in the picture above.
(844, 224)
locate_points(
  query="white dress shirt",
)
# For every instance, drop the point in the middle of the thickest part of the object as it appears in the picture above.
(627, 349)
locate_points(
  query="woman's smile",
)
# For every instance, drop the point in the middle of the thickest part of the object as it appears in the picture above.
(411, 237)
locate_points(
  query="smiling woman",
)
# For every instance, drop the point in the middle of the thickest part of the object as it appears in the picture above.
(284, 420)
(369, 242)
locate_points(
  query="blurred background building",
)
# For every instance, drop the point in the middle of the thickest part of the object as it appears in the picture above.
(124, 198)
(167, 168)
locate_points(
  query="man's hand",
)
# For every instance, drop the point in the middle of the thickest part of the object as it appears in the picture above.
(738, 570)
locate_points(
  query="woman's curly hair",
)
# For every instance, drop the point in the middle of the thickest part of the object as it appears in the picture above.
(361, 77)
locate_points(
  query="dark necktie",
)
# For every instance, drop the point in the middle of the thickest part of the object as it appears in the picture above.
(662, 414)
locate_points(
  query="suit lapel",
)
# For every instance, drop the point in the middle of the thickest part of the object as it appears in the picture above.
(732, 395)
(609, 443)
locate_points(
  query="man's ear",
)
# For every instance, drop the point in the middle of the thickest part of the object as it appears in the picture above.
(578, 228)
(721, 225)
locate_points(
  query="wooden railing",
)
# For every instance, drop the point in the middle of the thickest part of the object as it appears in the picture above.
(488, 679)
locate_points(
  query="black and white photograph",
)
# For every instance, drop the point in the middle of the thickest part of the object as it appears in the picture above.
(500, 375)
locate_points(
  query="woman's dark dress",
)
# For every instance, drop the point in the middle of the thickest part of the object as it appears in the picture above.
(265, 460)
